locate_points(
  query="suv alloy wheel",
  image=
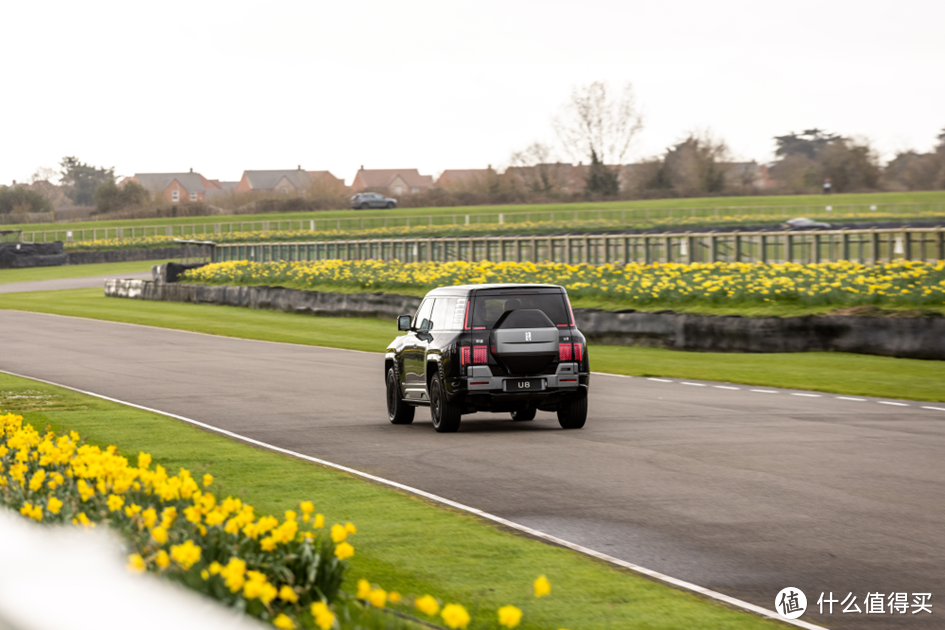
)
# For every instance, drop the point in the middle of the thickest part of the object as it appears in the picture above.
(446, 416)
(397, 411)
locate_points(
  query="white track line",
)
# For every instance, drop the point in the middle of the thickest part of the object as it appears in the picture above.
(659, 380)
(694, 384)
(935, 408)
(848, 398)
(459, 506)
(889, 402)
(725, 387)
(764, 391)
(807, 395)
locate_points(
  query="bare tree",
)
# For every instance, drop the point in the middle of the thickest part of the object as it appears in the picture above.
(594, 126)
(45, 174)
(534, 167)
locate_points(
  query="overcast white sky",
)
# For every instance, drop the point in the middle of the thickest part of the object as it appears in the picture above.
(226, 86)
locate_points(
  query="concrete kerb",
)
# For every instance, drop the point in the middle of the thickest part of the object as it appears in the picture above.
(914, 338)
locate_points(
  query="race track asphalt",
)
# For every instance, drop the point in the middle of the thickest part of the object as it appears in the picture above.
(85, 282)
(744, 490)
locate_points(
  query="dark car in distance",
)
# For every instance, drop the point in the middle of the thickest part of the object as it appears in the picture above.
(500, 348)
(365, 200)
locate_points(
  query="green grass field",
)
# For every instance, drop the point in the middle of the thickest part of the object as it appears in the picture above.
(73, 271)
(403, 543)
(832, 372)
(791, 203)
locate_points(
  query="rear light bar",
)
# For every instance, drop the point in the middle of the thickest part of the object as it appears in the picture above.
(464, 355)
(570, 310)
(578, 352)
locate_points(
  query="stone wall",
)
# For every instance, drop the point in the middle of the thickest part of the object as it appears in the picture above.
(377, 305)
(917, 338)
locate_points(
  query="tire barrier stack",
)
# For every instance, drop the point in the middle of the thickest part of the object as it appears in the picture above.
(24, 255)
(904, 337)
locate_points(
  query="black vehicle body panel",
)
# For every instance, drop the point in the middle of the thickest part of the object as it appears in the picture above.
(443, 340)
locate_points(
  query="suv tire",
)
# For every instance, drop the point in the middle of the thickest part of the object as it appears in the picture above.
(364, 206)
(523, 415)
(573, 413)
(445, 415)
(390, 204)
(398, 412)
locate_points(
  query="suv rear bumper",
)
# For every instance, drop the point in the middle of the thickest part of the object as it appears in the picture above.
(480, 379)
(481, 389)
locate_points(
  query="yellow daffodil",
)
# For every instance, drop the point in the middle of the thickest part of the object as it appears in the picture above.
(455, 616)
(509, 616)
(162, 559)
(159, 534)
(344, 551)
(324, 618)
(136, 563)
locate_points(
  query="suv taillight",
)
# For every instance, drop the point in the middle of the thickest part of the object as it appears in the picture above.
(464, 355)
(480, 354)
(565, 353)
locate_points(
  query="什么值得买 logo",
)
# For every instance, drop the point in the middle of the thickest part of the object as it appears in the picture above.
(790, 602)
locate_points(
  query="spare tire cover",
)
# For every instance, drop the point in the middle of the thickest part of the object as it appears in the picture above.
(525, 341)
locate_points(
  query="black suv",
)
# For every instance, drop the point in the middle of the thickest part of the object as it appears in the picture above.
(489, 347)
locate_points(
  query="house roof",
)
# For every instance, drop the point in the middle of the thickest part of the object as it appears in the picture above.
(158, 182)
(267, 180)
(462, 175)
(317, 175)
(224, 187)
(383, 177)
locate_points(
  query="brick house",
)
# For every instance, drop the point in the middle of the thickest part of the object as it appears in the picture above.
(747, 175)
(391, 181)
(296, 182)
(557, 177)
(176, 187)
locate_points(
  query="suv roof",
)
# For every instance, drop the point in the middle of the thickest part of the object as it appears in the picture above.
(464, 289)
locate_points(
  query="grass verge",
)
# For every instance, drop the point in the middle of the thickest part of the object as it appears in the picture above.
(794, 202)
(403, 543)
(833, 372)
(32, 274)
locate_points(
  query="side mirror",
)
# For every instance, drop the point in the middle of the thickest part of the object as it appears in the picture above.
(403, 322)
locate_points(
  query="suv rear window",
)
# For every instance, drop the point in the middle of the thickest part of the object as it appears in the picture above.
(488, 308)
